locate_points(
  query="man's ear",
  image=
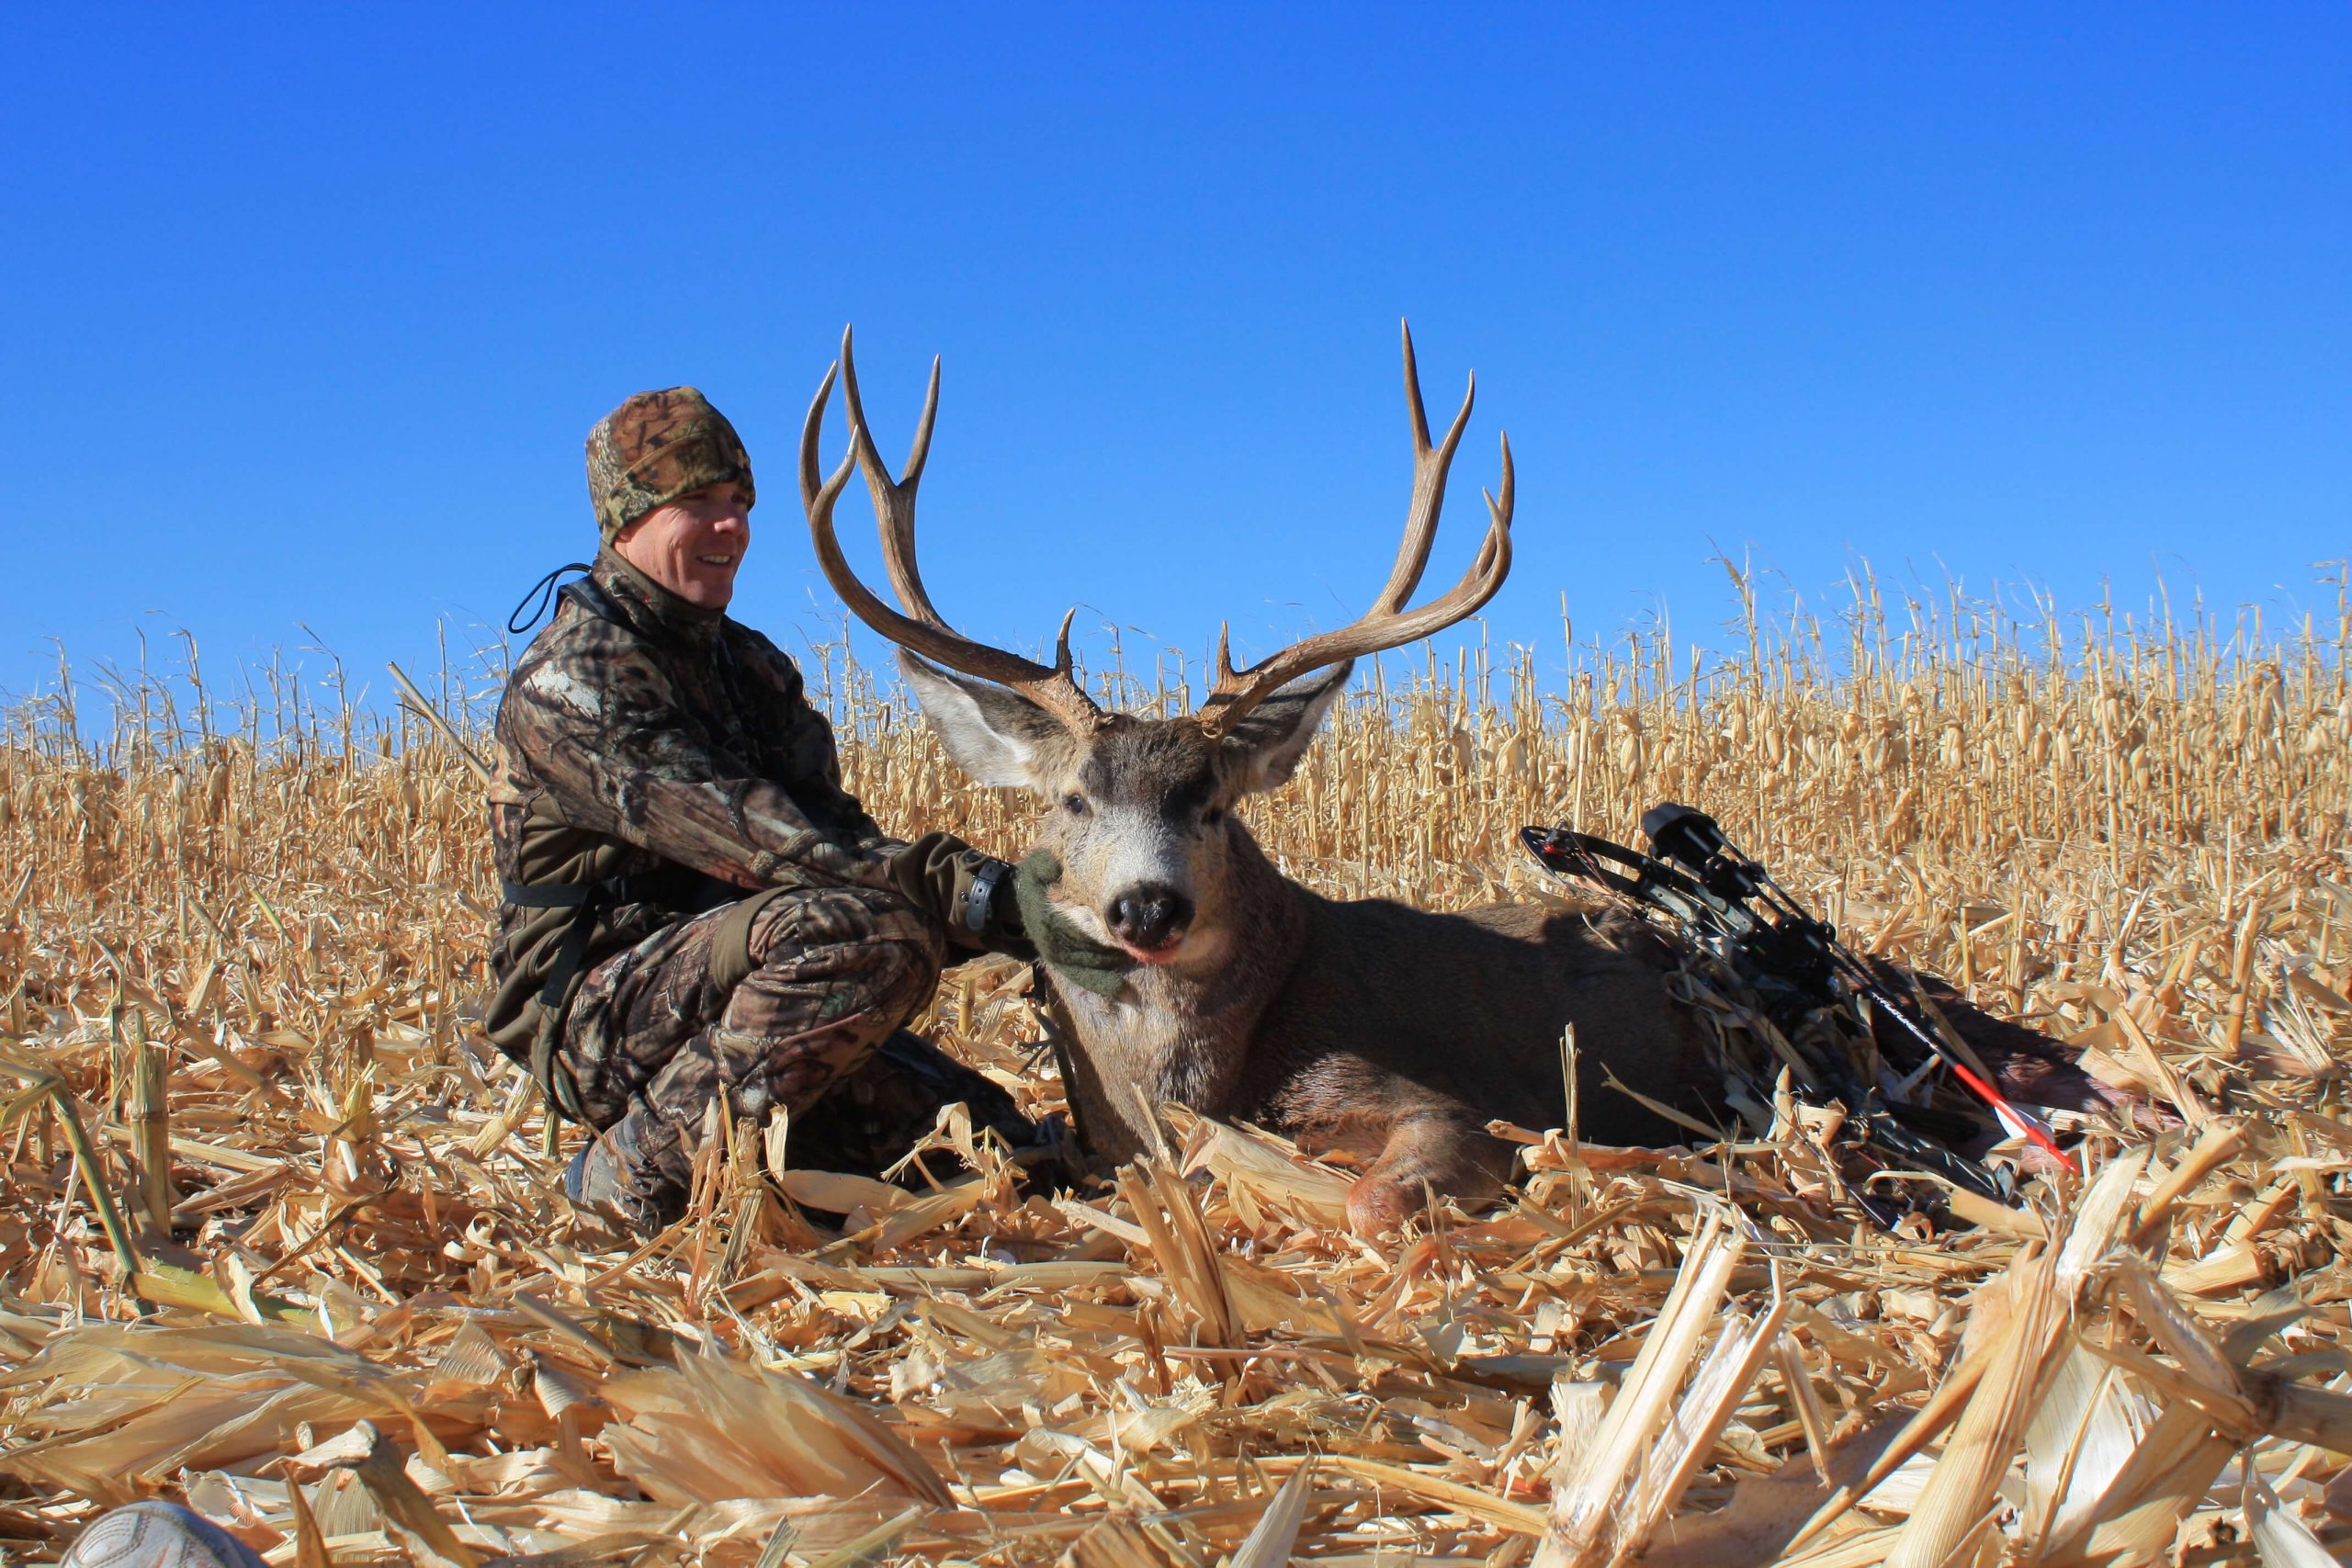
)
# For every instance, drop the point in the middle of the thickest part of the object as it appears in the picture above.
(1266, 745)
(1000, 737)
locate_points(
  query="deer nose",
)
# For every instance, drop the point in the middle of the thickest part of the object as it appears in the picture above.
(1149, 915)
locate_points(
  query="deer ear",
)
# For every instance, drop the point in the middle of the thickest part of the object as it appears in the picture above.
(1273, 736)
(1000, 737)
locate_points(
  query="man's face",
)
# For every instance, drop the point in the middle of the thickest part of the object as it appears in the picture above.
(692, 546)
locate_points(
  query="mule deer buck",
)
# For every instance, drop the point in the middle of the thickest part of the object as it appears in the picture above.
(1368, 1026)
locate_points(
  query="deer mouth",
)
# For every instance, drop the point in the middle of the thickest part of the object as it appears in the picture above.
(1166, 952)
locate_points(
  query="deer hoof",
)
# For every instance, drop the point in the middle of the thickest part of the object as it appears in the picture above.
(1377, 1204)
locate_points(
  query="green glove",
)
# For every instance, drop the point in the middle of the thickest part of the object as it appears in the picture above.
(1070, 952)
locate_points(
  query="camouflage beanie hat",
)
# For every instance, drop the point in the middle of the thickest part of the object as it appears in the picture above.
(656, 448)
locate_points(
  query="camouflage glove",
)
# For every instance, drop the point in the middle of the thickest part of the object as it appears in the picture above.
(1070, 952)
(968, 892)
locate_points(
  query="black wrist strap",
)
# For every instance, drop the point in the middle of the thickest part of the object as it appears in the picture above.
(980, 895)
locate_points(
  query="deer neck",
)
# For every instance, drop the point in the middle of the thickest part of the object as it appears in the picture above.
(1182, 1032)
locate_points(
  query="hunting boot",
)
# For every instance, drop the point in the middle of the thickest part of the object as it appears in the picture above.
(637, 1168)
(156, 1534)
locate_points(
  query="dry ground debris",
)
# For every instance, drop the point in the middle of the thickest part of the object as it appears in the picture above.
(280, 1236)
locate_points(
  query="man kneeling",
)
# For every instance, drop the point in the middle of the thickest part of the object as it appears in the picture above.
(693, 904)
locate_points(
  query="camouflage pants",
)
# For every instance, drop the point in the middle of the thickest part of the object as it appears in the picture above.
(653, 1036)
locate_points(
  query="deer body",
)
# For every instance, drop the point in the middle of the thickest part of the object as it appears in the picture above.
(1366, 1026)
(1393, 1034)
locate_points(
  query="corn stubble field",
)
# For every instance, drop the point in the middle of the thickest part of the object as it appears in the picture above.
(280, 1235)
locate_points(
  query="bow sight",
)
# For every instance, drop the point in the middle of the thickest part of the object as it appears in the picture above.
(1722, 903)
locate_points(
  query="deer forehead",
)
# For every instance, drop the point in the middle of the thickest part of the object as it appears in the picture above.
(1150, 761)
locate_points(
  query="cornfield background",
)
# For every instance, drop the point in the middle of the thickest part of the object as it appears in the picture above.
(282, 1237)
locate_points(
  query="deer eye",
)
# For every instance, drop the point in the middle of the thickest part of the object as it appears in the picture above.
(1211, 816)
(1075, 804)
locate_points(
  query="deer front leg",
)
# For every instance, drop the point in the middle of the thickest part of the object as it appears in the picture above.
(1435, 1154)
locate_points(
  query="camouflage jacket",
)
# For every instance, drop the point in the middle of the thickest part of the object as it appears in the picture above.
(668, 746)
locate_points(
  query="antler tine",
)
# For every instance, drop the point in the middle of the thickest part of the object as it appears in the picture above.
(1054, 688)
(1430, 469)
(817, 490)
(894, 501)
(1387, 624)
(1499, 510)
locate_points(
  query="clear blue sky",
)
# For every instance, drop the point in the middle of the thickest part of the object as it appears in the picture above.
(305, 312)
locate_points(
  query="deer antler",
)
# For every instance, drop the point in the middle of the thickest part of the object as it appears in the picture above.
(1385, 625)
(922, 630)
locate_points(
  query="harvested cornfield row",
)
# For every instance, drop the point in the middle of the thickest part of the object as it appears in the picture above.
(280, 1235)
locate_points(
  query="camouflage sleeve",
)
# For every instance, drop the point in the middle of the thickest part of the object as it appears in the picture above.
(605, 737)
